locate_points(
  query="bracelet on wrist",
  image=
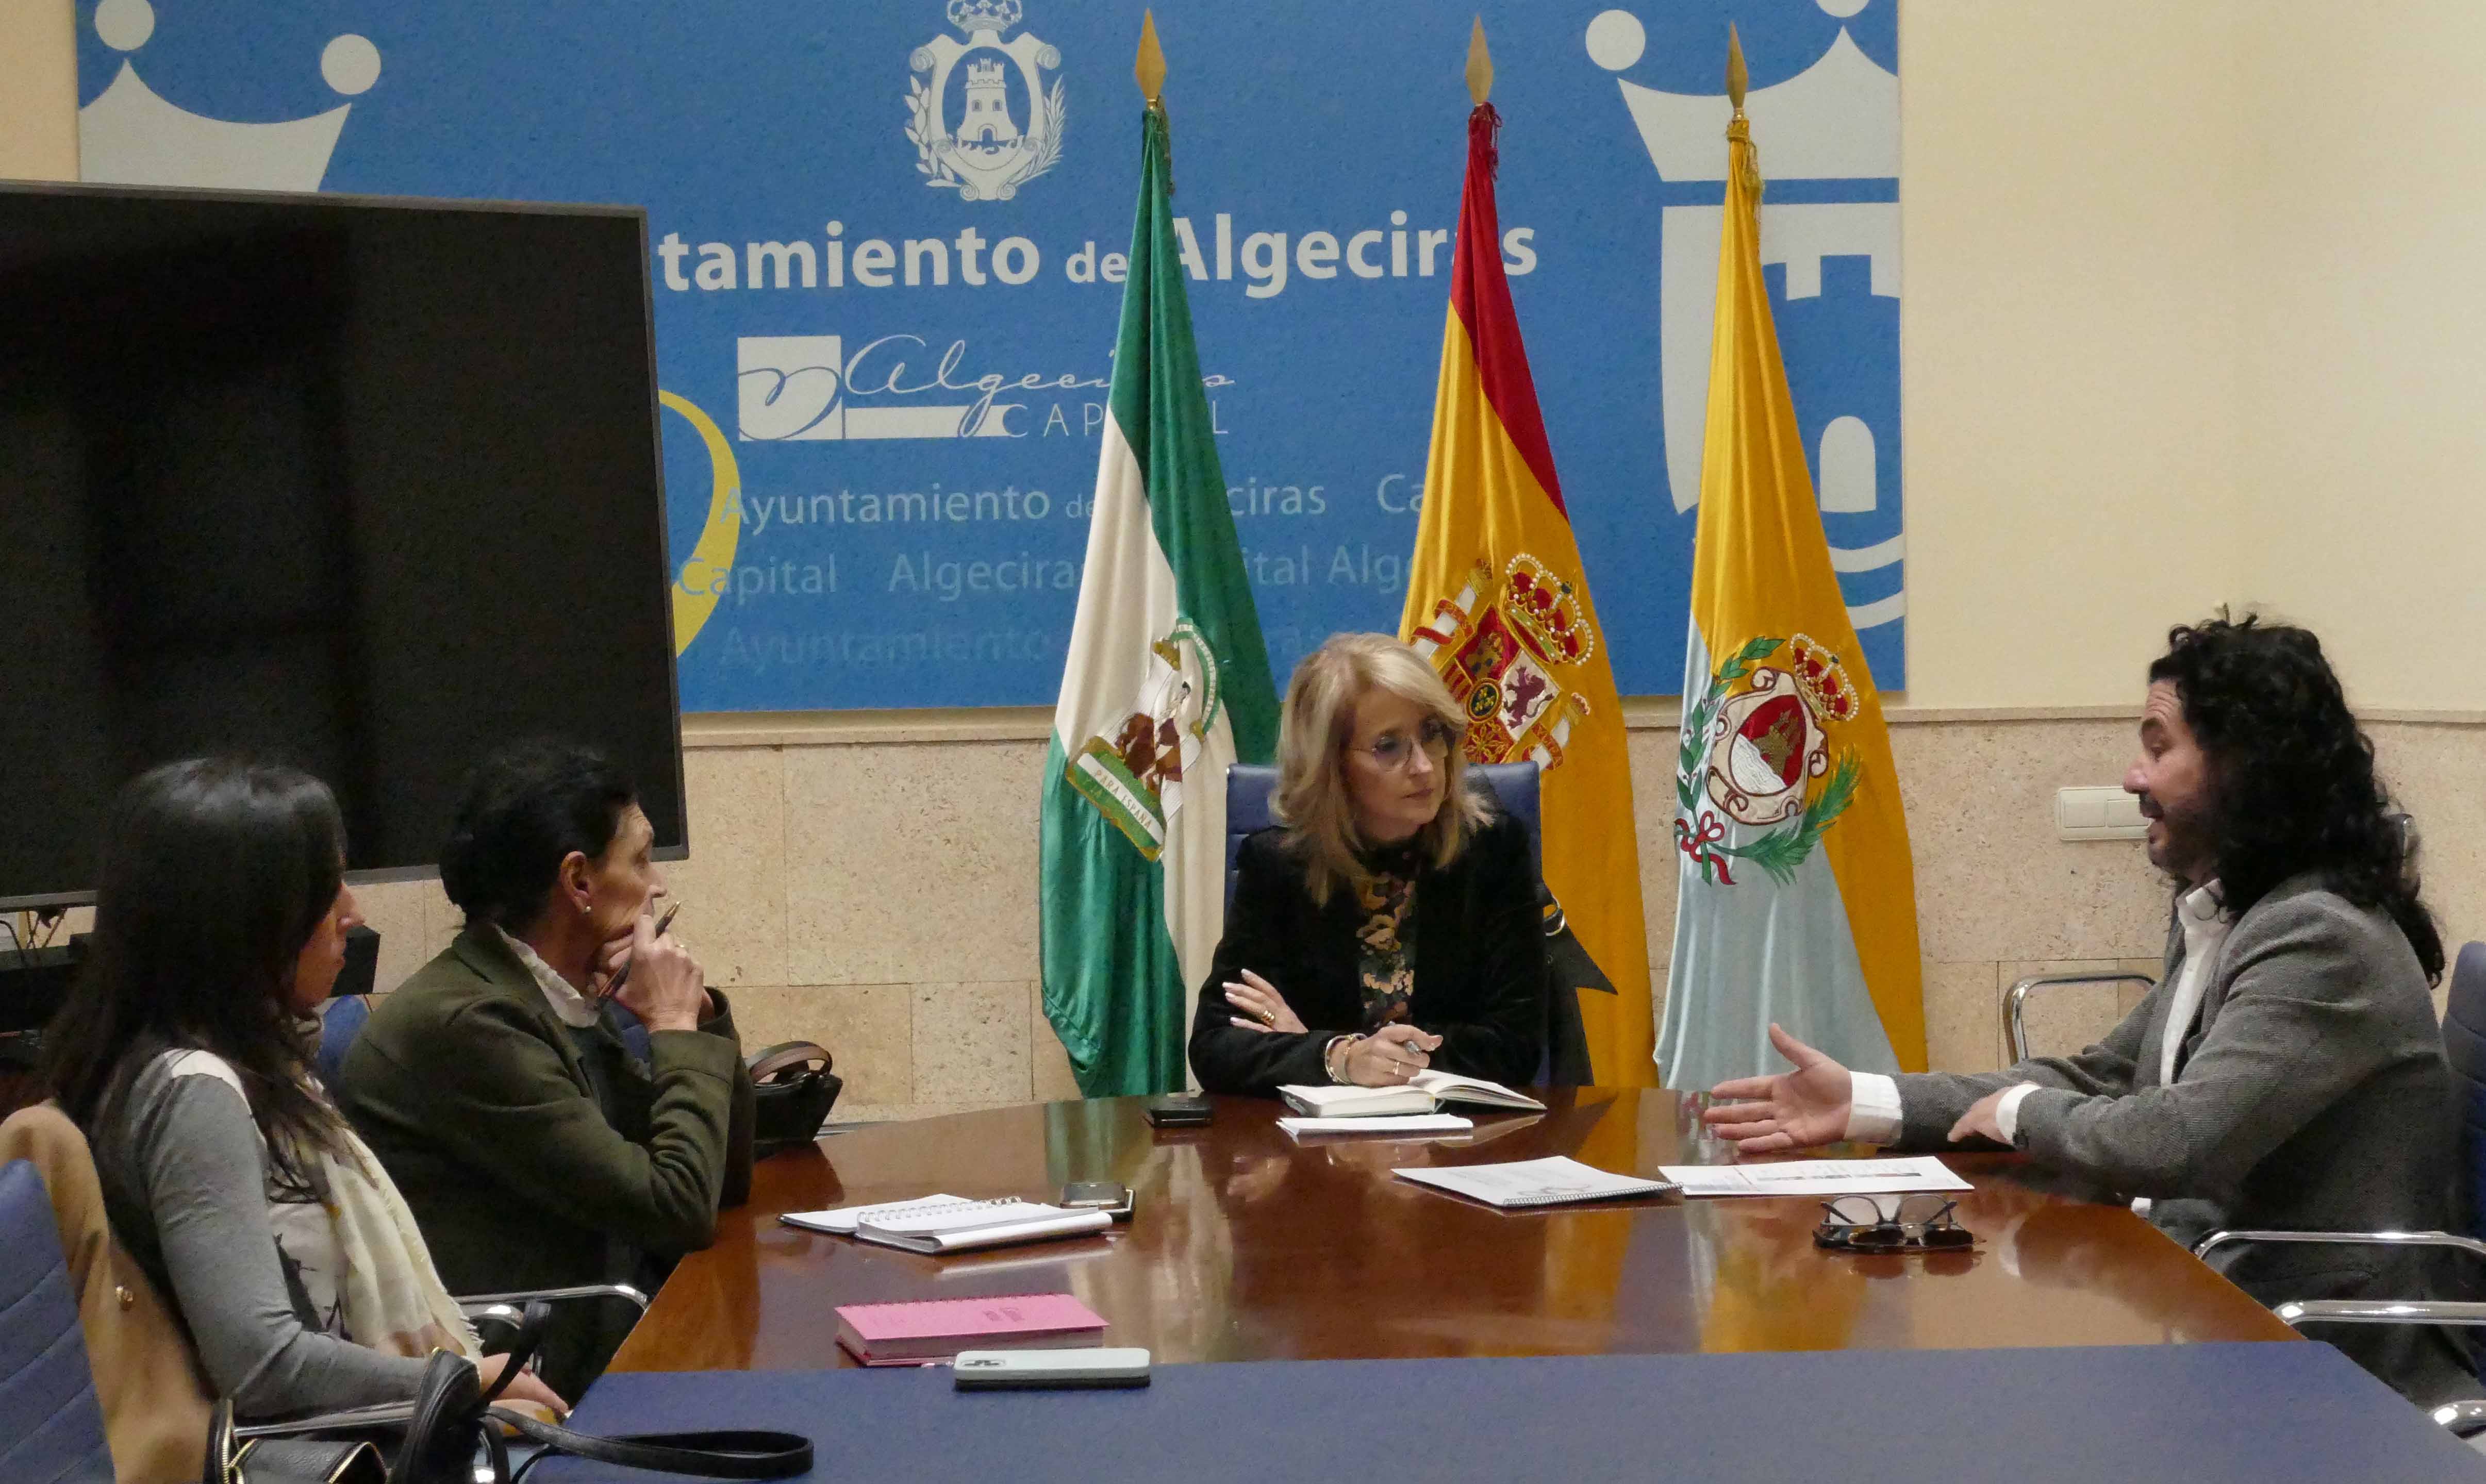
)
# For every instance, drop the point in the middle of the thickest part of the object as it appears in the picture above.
(1334, 1057)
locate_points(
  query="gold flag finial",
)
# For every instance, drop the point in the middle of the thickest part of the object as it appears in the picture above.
(1151, 69)
(1736, 76)
(1479, 64)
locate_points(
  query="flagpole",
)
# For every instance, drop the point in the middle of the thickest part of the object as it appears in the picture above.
(1479, 65)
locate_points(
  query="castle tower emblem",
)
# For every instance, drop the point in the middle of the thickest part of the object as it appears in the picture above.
(987, 124)
(1829, 140)
(991, 151)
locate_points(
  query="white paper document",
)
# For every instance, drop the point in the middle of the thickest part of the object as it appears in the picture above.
(1816, 1177)
(1402, 1123)
(1546, 1182)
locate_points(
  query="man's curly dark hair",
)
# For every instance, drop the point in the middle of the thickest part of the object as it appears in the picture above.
(2292, 784)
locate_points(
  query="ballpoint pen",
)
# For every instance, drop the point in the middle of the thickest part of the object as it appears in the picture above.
(624, 976)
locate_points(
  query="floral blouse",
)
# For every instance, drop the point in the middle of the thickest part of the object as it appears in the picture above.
(1386, 941)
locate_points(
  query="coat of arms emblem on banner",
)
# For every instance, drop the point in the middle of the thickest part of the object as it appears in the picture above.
(1008, 128)
(1755, 746)
(1502, 645)
(1135, 777)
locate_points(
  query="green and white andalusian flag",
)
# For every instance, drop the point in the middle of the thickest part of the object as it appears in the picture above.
(1165, 684)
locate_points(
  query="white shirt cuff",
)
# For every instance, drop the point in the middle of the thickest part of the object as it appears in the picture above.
(2006, 1113)
(1873, 1112)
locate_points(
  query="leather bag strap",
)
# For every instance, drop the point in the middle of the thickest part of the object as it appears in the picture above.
(771, 1061)
(728, 1454)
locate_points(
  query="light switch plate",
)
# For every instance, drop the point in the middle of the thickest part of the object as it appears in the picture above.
(2098, 813)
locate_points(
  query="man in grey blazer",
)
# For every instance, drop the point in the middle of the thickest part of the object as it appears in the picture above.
(2288, 1072)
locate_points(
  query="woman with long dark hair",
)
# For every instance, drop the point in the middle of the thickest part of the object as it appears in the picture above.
(221, 916)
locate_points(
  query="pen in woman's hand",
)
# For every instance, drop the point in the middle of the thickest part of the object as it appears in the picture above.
(621, 975)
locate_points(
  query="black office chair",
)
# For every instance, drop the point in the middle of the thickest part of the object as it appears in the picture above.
(1514, 784)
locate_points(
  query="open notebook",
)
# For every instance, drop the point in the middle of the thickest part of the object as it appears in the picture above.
(951, 1223)
(1423, 1093)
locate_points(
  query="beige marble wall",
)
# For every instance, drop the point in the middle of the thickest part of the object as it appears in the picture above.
(879, 897)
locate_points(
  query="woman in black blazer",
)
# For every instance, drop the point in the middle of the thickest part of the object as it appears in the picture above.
(1391, 923)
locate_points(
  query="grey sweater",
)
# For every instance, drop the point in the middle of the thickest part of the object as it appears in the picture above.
(185, 1182)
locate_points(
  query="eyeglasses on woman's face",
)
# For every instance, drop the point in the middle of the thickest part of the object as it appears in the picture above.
(1393, 752)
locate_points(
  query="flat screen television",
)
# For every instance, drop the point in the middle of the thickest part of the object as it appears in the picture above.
(369, 486)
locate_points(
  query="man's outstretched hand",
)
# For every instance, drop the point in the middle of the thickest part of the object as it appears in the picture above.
(1793, 1109)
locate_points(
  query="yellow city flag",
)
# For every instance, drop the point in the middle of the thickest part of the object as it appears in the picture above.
(1796, 899)
(1498, 601)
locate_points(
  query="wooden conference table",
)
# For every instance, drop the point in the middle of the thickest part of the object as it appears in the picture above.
(1248, 1246)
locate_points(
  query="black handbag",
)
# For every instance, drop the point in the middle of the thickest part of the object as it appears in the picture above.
(237, 1460)
(453, 1424)
(793, 1090)
(454, 1435)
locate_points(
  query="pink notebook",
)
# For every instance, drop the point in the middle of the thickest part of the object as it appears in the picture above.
(938, 1329)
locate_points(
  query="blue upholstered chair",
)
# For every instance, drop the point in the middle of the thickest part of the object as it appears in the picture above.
(1250, 785)
(51, 1427)
(340, 1021)
(2464, 1045)
(1514, 784)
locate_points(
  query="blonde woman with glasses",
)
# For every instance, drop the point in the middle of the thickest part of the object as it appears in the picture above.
(1390, 922)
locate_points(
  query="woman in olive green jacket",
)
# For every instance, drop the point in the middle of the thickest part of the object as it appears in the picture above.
(536, 1149)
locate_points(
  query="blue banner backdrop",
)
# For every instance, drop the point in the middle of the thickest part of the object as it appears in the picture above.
(888, 237)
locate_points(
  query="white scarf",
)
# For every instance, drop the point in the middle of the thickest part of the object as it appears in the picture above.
(355, 1248)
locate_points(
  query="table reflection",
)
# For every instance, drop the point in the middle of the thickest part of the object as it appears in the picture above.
(1247, 1244)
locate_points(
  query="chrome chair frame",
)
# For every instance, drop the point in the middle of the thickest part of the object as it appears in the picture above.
(2462, 1417)
(2466, 1417)
(502, 1308)
(2015, 1001)
(622, 1291)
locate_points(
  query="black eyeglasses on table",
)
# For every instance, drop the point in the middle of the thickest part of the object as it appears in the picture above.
(1888, 1223)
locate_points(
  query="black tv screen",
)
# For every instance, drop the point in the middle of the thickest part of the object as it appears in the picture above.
(367, 487)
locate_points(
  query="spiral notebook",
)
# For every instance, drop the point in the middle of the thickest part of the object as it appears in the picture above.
(949, 1224)
(1555, 1181)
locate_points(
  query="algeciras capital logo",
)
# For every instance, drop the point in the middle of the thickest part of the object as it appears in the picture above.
(1008, 128)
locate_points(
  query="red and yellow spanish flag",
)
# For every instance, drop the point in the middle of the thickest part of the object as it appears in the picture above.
(1498, 601)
